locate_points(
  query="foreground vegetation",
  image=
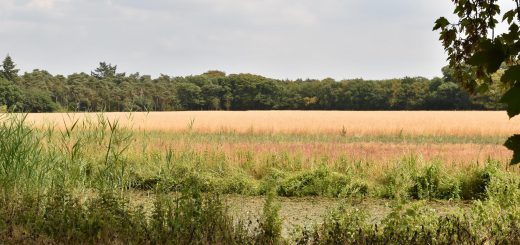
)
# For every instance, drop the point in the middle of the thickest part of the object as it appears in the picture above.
(195, 218)
(75, 186)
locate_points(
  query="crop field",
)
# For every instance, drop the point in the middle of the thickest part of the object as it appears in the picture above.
(258, 177)
(384, 136)
(350, 123)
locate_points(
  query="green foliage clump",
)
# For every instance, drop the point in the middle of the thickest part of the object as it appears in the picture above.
(433, 182)
(415, 223)
(398, 182)
(405, 222)
(192, 218)
(237, 183)
(500, 186)
(322, 182)
(180, 176)
(491, 183)
(408, 180)
(344, 225)
(475, 183)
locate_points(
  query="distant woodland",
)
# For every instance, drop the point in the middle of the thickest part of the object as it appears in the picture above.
(104, 89)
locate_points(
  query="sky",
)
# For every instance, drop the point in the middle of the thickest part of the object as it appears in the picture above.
(283, 39)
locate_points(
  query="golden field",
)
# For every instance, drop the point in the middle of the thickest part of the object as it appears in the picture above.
(453, 123)
(382, 137)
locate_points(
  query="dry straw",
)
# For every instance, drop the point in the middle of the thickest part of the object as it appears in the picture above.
(455, 123)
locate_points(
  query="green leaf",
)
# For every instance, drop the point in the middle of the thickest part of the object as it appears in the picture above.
(491, 56)
(511, 75)
(512, 99)
(509, 16)
(496, 56)
(441, 23)
(513, 143)
(478, 59)
(448, 37)
(513, 35)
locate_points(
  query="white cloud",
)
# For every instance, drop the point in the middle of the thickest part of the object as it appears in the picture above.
(46, 4)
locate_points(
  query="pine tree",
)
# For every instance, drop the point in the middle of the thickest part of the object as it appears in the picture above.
(104, 71)
(9, 70)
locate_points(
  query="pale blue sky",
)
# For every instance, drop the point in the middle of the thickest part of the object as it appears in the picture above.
(275, 38)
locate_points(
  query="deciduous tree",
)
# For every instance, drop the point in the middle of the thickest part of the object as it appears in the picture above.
(476, 51)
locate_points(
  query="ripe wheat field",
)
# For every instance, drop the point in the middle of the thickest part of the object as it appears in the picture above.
(446, 123)
(451, 137)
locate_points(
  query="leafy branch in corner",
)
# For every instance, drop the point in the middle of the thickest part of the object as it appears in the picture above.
(475, 52)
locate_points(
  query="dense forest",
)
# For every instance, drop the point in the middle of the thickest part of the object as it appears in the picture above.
(104, 89)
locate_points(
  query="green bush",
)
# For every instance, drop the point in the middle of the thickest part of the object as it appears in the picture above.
(490, 182)
(399, 181)
(405, 222)
(475, 182)
(344, 225)
(321, 182)
(432, 182)
(193, 218)
(503, 188)
(236, 184)
(485, 223)
(61, 218)
(408, 181)
(273, 177)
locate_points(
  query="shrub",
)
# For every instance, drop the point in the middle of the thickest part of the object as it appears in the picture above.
(474, 183)
(407, 180)
(407, 224)
(237, 184)
(503, 188)
(398, 182)
(433, 182)
(344, 225)
(322, 182)
(491, 183)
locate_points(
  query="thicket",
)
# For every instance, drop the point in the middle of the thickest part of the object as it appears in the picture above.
(107, 90)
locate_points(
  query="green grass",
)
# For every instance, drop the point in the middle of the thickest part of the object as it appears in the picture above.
(233, 137)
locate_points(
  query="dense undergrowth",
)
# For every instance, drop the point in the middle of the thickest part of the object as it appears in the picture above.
(72, 186)
(407, 180)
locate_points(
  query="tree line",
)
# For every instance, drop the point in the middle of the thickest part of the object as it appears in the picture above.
(104, 89)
